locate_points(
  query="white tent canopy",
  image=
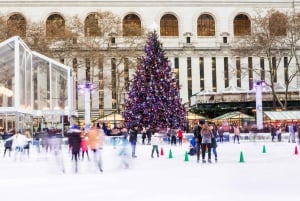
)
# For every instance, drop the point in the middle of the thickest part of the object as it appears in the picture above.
(282, 115)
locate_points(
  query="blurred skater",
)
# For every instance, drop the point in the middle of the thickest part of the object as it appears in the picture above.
(96, 141)
(124, 149)
(8, 143)
(155, 143)
(74, 144)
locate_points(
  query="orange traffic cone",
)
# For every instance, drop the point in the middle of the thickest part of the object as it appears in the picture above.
(161, 151)
(296, 150)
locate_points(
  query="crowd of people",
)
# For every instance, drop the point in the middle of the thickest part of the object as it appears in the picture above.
(87, 144)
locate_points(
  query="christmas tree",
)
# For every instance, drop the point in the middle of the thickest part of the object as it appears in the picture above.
(153, 97)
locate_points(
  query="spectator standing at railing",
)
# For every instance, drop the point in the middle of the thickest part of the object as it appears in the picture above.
(298, 132)
(143, 131)
(221, 134)
(273, 132)
(173, 136)
(180, 136)
(226, 128)
(278, 133)
(236, 131)
(149, 133)
(291, 133)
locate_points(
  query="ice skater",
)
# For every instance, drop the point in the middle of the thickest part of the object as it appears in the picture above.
(8, 143)
(96, 141)
(124, 149)
(18, 143)
(74, 143)
(155, 143)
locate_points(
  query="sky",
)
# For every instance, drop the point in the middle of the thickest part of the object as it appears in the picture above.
(273, 175)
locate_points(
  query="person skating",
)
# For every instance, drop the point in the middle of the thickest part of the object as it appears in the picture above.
(74, 143)
(96, 141)
(206, 142)
(8, 143)
(155, 143)
(133, 139)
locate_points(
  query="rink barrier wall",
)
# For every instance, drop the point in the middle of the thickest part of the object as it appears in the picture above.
(250, 137)
(114, 140)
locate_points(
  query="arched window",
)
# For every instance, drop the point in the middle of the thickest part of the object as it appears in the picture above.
(132, 25)
(91, 26)
(16, 25)
(206, 25)
(277, 24)
(241, 25)
(55, 26)
(169, 25)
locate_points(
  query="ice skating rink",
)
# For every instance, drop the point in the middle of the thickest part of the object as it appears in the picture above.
(268, 171)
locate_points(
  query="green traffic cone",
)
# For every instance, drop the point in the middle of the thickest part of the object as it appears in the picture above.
(170, 154)
(264, 149)
(186, 156)
(242, 157)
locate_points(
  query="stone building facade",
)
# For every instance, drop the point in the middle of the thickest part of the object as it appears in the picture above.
(197, 36)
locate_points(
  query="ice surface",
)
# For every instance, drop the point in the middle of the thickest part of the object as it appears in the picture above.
(273, 175)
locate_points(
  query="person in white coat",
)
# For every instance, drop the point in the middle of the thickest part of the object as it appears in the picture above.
(155, 142)
(18, 143)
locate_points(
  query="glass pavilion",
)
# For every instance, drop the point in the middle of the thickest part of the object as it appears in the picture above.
(35, 91)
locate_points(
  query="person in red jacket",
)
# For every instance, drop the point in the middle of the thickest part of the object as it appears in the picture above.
(180, 136)
(84, 146)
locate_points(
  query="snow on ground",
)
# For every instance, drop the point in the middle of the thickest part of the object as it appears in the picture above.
(273, 175)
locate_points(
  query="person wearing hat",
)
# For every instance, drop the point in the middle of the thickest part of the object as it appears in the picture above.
(74, 143)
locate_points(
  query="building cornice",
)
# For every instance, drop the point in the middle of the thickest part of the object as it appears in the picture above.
(150, 3)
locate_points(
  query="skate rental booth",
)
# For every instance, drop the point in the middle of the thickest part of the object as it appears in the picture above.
(36, 92)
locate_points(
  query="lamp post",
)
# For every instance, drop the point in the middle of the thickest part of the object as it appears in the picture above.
(258, 87)
(86, 88)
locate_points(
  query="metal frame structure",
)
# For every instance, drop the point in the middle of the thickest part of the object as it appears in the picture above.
(37, 87)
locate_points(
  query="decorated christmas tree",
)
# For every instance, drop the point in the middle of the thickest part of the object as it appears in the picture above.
(153, 97)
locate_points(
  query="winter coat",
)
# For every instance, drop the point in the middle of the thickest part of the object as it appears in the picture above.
(197, 133)
(8, 144)
(133, 135)
(155, 139)
(84, 144)
(74, 139)
(236, 130)
(206, 136)
(180, 133)
(18, 140)
(96, 138)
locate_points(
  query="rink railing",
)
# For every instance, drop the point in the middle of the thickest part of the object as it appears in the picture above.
(247, 137)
